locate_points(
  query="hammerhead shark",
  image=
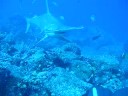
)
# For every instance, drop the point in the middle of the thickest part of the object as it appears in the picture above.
(49, 25)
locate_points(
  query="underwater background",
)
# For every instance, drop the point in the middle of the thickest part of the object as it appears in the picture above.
(63, 47)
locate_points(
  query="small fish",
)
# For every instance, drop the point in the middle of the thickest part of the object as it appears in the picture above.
(93, 18)
(54, 3)
(96, 37)
(62, 17)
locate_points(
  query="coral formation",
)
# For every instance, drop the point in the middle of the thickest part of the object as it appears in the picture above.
(61, 71)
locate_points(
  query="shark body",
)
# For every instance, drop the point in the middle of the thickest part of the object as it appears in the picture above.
(49, 25)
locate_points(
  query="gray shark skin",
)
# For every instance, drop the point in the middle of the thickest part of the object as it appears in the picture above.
(49, 25)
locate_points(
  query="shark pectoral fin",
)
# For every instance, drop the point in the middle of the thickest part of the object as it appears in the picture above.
(76, 28)
(27, 27)
(72, 28)
(81, 27)
(42, 39)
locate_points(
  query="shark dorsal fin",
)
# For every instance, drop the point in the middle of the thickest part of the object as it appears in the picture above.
(47, 7)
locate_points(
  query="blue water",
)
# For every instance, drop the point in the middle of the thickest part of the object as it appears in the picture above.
(69, 56)
(110, 15)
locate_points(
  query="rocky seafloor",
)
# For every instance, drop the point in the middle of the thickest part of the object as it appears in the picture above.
(59, 71)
